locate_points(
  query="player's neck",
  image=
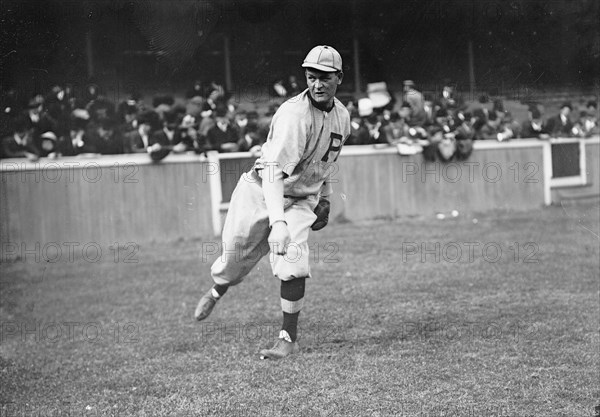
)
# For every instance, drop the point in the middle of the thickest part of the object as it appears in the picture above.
(326, 107)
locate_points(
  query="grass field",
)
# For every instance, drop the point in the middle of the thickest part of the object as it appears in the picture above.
(501, 318)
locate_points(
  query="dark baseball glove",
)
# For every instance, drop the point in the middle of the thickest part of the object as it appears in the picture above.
(322, 212)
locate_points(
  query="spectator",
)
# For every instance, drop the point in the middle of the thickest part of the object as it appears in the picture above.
(487, 128)
(279, 88)
(441, 142)
(560, 125)
(48, 144)
(100, 109)
(108, 139)
(170, 136)
(264, 122)
(533, 127)
(293, 86)
(508, 129)
(374, 125)
(127, 117)
(498, 107)
(140, 139)
(163, 104)
(188, 129)
(429, 110)
(396, 129)
(92, 92)
(254, 132)
(215, 102)
(196, 90)
(463, 134)
(196, 106)
(38, 119)
(79, 140)
(251, 141)
(134, 98)
(462, 126)
(359, 134)
(585, 126)
(241, 122)
(441, 123)
(495, 128)
(21, 143)
(247, 132)
(58, 110)
(252, 117)
(41, 124)
(72, 101)
(287, 88)
(448, 98)
(414, 98)
(481, 112)
(222, 137)
(127, 109)
(592, 109)
(405, 115)
(590, 125)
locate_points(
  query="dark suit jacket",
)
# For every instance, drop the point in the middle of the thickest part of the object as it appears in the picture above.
(66, 148)
(555, 127)
(161, 137)
(529, 131)
(135, 144)
(11, 149)
(215, 137)
(113, 146)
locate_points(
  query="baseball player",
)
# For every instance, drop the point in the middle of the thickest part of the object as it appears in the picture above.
(284, 195)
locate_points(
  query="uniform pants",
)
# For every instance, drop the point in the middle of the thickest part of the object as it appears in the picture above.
(246, 231)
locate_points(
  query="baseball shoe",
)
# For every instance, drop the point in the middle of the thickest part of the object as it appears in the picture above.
(281, 349)
(205, 306)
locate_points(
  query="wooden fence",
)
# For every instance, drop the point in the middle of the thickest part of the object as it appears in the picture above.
(128, 198)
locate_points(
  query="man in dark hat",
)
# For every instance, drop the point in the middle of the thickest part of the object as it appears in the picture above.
(108, 139)
(585, 126)
(21, 143)
(533, 127)
(222, 137)
(140, 139)
(413, 97)
(561, 124)
(170, 134)
(79, 138)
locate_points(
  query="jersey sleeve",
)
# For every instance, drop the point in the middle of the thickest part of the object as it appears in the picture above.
(286, 140)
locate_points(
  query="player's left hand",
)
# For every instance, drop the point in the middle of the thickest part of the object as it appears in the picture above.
(322, 212)
(279, 238)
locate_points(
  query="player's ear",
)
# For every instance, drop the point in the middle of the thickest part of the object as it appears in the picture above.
(340, 76)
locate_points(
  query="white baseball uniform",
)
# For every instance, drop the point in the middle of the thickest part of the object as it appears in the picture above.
(304, 142)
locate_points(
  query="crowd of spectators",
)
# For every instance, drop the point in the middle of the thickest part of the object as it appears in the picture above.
(442, 127)
(445, 127)
(59, 123)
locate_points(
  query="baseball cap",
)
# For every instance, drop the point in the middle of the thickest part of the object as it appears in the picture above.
(323, 58)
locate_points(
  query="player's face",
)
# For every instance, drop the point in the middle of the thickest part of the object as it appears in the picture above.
(323, 85)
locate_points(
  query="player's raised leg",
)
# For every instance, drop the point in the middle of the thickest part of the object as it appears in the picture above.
(244, 243)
